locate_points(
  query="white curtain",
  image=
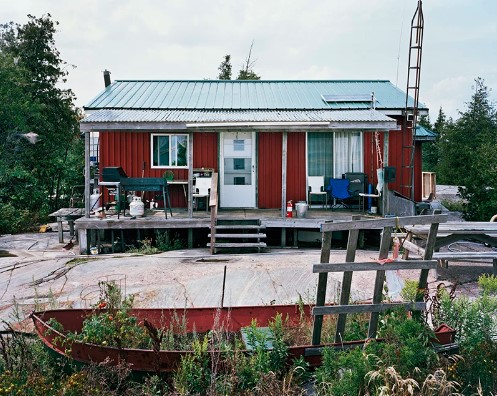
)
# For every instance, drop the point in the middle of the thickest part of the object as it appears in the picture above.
(347, 153)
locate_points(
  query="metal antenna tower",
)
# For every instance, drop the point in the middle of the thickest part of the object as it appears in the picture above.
(411, 109)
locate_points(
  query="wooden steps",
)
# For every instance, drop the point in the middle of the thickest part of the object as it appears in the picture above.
(238, 234)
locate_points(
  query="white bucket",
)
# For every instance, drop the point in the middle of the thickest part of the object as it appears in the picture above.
(374, 209)
(301, 208)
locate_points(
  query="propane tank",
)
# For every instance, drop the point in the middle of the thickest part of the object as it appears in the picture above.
(289, 209)
(95, 200)
(136, 207)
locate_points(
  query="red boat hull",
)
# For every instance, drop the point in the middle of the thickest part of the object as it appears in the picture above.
(197, 319)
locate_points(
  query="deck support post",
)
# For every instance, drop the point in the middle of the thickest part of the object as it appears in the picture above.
(190, 238)
(87, 174)
(284, 145)
(283, 237)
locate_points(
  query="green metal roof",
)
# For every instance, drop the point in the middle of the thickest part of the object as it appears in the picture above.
(249, 95)
(423, 133)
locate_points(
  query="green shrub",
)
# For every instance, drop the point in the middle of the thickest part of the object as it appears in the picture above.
(406, 345)
(410, 290)
(14, 221)
(165, 244)
(342, 372)
(488, 284)
(476, 330)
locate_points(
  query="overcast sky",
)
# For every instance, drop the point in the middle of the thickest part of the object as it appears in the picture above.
(293, 39)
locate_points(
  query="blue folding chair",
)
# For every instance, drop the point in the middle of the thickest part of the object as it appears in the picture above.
(339, 192)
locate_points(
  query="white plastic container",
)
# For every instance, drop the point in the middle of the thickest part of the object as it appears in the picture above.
(95, 200)
(137, 207)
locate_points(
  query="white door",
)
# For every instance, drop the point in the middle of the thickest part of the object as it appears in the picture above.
(237, 170)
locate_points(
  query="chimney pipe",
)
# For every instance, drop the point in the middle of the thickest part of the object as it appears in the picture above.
(107, 81)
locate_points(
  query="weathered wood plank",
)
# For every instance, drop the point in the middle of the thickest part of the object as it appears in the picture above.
(321, 290)
(141, 223)
(412, 247)
(383, 222)
(375, 266)
(236, 236)
(365, 308)
(385, 242)
(239, 227)
(463, 227)
(346, 282)
(456, 256)
(239, 245)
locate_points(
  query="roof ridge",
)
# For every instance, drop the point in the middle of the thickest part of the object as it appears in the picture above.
(252, 81)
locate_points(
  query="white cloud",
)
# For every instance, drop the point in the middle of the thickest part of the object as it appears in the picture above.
(293, 39)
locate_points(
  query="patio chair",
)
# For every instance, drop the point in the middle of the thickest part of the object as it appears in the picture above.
(202, 190)
(339, 192)
(316, 187)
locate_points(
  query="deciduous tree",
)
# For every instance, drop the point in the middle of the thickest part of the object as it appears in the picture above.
(33, 177)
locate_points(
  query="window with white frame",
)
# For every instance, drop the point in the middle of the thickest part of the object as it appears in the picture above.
(331, 154)
(347, 153)
(169, 150)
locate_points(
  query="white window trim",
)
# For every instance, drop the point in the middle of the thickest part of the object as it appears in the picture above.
(168, 166)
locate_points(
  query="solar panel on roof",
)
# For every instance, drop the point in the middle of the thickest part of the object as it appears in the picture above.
(348, 98)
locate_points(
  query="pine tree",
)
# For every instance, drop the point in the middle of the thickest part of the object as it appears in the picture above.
(468, 156)
(225, 68)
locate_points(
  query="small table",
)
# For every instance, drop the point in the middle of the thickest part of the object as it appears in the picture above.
(149, 184)
(69, 215)
(363, 200)
(458, 231)
(448, 233)
(183, 183)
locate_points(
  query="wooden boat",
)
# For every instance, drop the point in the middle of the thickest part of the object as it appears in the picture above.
(197, 320)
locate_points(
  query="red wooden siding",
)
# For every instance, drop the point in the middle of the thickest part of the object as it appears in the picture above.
(296, 173)
(205, 150)
(131, 150)
(395, 147)
(269, 169)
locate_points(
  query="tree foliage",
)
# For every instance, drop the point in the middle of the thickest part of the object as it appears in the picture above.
(225, 68)
(245, 73)
(467, 155)
(431, 150)
(35, 176)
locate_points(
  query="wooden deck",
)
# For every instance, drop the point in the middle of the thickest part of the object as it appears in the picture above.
(199, 224)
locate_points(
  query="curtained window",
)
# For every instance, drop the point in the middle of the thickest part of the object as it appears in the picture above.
(169, 151)
(320, 154)
(331, 154)
(348, 153)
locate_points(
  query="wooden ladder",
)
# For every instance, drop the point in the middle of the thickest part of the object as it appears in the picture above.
(388, 226)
